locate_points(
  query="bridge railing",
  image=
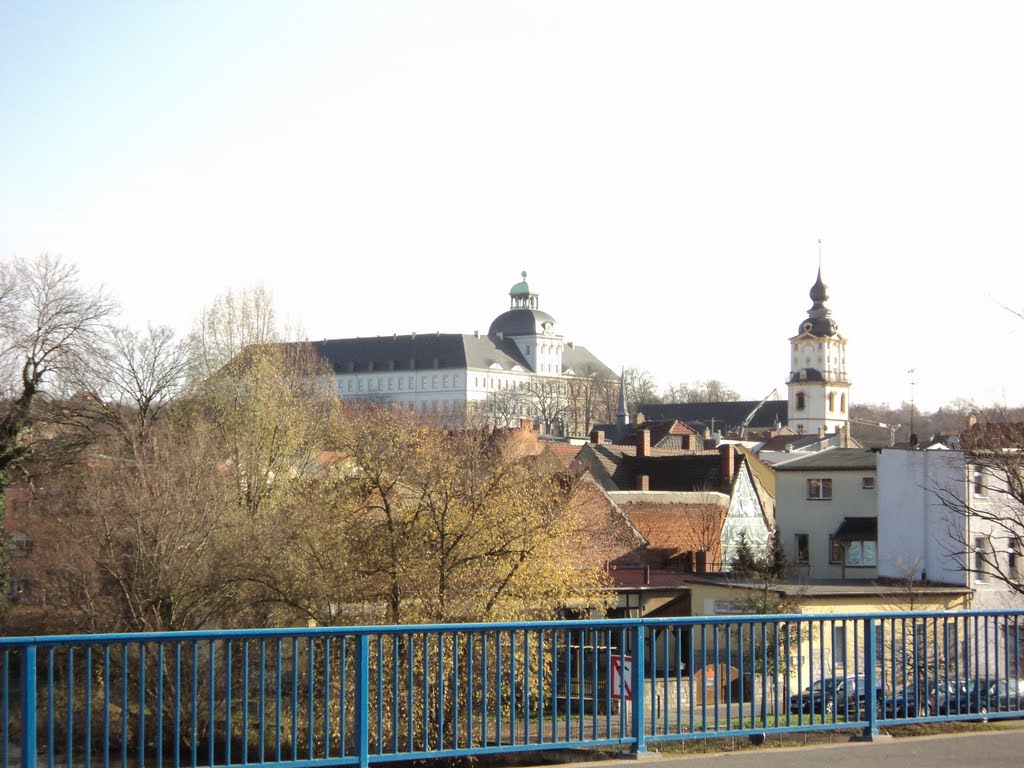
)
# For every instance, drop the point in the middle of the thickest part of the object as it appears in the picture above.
(361, 695)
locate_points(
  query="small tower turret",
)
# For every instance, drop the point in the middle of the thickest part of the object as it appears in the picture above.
(819, 387)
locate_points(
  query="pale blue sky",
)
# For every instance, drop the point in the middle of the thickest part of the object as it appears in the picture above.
(662, 170)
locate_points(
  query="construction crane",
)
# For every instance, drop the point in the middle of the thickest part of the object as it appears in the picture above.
(891, 427)
(750, 416)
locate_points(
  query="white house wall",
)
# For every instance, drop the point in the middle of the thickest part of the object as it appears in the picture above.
(819, 518)
(918, 535)
(913, 527)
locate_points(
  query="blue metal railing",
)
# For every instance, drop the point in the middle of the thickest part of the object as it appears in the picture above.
(361, 695)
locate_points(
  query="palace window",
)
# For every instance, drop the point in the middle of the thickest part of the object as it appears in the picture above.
(801, 401)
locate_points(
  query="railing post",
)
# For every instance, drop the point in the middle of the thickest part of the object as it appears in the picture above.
(871, 689)
(637, 682)
(28, 707)
(363, 699)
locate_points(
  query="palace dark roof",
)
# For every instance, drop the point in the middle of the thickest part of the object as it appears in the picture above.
(431, 351)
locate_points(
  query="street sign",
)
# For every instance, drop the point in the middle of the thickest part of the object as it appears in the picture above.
(622, 677)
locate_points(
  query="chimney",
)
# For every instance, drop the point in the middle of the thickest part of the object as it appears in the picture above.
(642, 483)
(526, 425)
(597, 437)
(643, 443)
(728, 464)
(702, 561)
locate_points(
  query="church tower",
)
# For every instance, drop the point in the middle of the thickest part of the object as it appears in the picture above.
(819, 389)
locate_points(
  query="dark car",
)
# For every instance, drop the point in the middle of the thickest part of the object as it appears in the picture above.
(985, 694)
(844, 695)
(918, 700)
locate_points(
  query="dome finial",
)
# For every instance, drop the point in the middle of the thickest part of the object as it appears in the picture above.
(524, 274)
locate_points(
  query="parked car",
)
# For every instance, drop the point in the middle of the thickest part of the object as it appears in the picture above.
(917, 700)
(842, 694)
(986, 694)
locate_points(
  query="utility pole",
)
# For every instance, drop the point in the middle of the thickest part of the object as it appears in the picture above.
(912, 383)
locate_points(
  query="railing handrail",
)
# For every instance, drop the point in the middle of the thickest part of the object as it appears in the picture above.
(401, 629)
(191, 681)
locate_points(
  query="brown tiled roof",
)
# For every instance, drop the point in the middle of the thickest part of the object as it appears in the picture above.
(564, 452)
(674, 528)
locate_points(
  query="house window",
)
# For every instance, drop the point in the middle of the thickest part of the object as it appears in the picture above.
(433, 382)
(1013, 558)
(412, 382)
(444, 382)
(360, 385)
(979, 481)
(981, 558)
(423, 384)
(400, 382)
(867, 483)
(391, 383)
(835, 549)
(801, 401)
(819, 488)
(380, 383)
(863, 554)
(455, 380)
(831, 401)
(350, 385)
(803, 548)
(839, 645)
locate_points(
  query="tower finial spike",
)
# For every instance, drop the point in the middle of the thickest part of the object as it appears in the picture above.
(819, 255)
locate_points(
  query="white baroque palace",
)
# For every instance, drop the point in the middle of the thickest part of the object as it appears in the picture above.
(439, 373)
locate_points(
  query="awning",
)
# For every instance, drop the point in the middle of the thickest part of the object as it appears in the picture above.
(857, 529)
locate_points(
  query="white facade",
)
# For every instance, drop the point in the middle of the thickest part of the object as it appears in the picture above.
(920, 537)
(826, 505)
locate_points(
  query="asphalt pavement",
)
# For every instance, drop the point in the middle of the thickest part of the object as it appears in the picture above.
(978, 750)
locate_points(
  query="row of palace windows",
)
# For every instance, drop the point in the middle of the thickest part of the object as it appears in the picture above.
(355, 384)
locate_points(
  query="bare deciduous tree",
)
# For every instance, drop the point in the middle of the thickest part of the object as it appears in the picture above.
(49, 324)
